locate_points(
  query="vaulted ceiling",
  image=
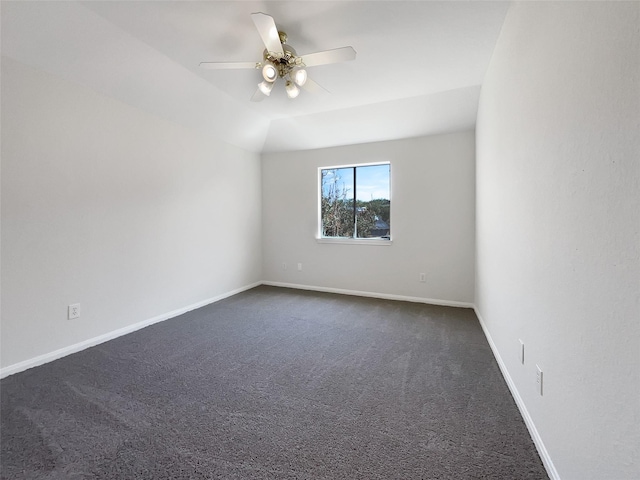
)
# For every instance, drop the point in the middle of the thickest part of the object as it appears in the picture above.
(418, 69)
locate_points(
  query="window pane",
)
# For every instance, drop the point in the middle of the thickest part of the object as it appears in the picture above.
(373, 201)
(337, 202)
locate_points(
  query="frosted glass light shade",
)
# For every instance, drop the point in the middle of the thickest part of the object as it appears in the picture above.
(266, 87)
(299, 76)
(269, 72)
(292, 89)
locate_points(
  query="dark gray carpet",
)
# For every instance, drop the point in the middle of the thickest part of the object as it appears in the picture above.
(279, 384)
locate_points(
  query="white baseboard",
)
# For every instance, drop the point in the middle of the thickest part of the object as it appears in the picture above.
(358, 293)
(63, 352)
(533, 431)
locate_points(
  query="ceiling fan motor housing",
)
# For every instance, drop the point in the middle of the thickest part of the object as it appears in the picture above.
(287, 61)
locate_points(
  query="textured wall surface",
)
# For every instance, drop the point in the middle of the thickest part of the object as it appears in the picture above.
(432, 220)
(103, 205)
(558, 245)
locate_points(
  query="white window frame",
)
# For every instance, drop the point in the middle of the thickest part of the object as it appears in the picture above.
(346, 240)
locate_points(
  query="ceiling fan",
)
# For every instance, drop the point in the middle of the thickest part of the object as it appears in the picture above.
(280, 60)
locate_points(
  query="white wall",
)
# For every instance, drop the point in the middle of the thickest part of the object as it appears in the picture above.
(113, 208)
(432, 220)
(558, 249)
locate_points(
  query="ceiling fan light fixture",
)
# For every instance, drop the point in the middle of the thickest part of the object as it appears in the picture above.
(269, 72)
(279, 59)
(299, 76)
(292, 89)
(266, 87)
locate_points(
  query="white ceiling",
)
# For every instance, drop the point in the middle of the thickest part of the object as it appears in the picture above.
(418, 69)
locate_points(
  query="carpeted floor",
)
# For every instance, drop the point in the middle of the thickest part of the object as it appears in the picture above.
(274, 384)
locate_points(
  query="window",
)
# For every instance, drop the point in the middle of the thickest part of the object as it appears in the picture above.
(355, 202)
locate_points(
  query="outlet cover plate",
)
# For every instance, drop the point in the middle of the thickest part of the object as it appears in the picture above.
(539, 381)
(73, 311)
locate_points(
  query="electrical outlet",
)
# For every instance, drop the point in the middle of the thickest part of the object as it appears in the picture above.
(539, 380)
(299, 267)
(521, 353)
(73, 311)
(423, 277)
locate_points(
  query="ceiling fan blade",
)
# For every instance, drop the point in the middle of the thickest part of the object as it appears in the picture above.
(313, 87)
(226, 65)
(268, 32)
(342, 54)
(258, 96)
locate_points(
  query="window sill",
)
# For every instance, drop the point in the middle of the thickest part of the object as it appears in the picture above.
(354, 241)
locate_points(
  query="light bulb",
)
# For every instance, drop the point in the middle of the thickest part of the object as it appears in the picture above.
(292, 90)
(299, 76)
(269, 72)
(266, 87)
